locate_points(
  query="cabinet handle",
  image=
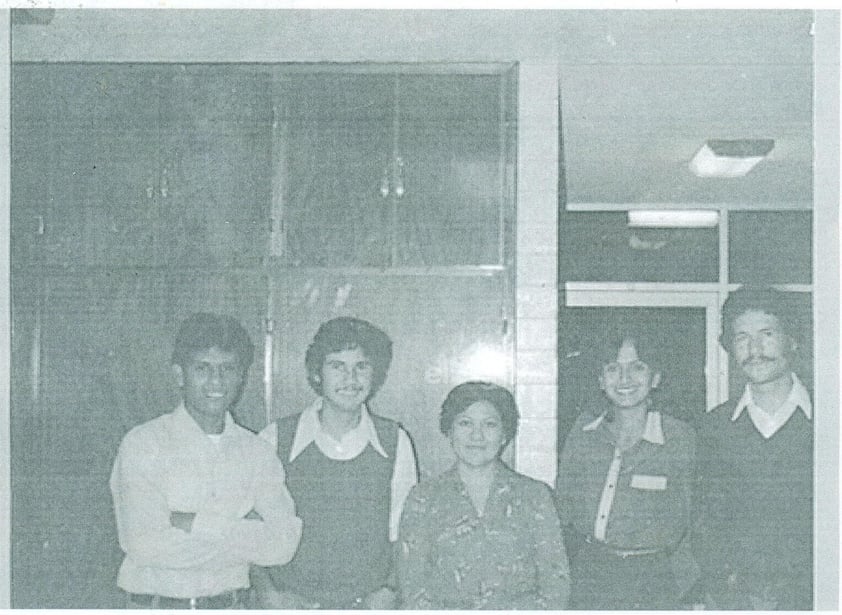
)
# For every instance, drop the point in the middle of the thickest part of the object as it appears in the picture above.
(39, 228)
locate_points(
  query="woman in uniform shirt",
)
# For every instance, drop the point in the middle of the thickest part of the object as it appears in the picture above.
(624, 489)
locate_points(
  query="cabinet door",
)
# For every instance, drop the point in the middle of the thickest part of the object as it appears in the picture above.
(394, 168)
(338, 142)
(214, 181)
(452, 144)
(91, 350)
(85, 151)
(141, 165)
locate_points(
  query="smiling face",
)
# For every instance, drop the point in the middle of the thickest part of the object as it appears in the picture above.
(210, 384)
(346, 379)
(628, 381)
(761, 347)
(477, 434)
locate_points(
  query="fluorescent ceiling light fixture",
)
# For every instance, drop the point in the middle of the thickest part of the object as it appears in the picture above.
(723, 158)
(672, 218)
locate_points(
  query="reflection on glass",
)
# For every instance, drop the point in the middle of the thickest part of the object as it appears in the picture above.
(600, 246)
(484, 362)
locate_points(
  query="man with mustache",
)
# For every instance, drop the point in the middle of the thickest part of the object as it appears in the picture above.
(755, 475)
(349, 472)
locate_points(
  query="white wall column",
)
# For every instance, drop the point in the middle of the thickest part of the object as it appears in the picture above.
(826, 323)
(536, 278)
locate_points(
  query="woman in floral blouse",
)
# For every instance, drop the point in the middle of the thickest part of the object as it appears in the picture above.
(481, 536)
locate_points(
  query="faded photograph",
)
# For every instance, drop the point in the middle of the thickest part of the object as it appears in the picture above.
(406, 309)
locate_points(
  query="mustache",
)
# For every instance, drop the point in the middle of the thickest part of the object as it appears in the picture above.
(760, 359)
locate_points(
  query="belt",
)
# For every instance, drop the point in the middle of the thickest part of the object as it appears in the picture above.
(225, 600)
(620, 552)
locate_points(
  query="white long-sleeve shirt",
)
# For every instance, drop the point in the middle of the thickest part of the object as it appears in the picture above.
(170, 465)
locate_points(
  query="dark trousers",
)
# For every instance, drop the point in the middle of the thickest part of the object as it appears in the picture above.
(603, 580)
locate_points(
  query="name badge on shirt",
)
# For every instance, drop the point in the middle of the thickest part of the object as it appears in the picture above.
(647, 481)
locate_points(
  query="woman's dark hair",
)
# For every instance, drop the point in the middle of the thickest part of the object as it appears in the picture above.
(347, 333)
(649, 346)
(468, 393)
(203, 331)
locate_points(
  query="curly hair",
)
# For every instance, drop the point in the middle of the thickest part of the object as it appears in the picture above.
(347, 333)
(764, 299)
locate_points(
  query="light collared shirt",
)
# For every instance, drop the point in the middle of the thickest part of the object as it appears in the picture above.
(352, 443)
(170, 465)
(769, 423)
(653, 430)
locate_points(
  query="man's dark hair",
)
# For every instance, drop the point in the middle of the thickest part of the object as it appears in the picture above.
(203, 331)
(468, 393)
(780, 304)
(347, 333)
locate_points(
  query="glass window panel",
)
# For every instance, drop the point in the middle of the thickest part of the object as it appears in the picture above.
(600, 247)
(450, 142)
(343, 206)
(770, 247)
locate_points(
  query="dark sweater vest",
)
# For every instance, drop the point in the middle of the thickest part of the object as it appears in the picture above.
(345, 551)
(756, 501)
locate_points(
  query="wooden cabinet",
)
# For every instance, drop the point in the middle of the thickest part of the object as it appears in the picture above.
(139, 166)
(142, 193)
(392, 168)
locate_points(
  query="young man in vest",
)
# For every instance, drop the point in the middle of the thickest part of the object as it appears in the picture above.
(197, 497)
(349, 472)
(755, 473)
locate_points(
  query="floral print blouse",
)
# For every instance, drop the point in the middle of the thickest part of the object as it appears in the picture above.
(510, 557)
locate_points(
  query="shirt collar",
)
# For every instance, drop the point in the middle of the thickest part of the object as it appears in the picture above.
(310, 429)
(798, 397)
(187, 424)
(503, 479)
(652, 432)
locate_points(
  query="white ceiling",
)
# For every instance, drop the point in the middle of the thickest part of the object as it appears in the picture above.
(641, 90)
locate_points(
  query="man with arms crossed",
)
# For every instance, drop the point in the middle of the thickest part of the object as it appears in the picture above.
(197, 497)
(755, 476)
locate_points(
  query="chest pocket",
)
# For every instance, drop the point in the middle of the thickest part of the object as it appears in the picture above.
(649, 482)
